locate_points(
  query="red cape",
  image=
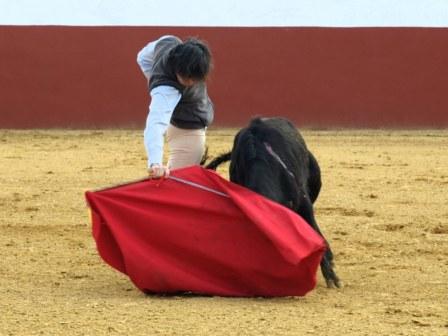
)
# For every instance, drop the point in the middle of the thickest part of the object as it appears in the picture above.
(172, 236)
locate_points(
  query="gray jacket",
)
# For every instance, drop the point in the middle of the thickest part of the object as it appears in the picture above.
(195, 109)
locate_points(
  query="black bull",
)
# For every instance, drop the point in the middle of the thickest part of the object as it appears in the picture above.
(270, 157)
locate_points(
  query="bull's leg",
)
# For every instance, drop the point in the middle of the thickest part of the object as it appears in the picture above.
(314, 182)
(305, 209)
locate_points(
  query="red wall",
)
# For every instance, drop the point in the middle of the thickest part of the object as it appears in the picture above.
(346, 77)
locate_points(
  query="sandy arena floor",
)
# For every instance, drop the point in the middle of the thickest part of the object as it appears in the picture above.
(383, 207)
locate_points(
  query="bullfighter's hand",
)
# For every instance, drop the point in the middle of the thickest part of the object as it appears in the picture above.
(158, 171)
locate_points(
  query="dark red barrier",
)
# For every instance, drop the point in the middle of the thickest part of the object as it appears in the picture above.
(350, 77)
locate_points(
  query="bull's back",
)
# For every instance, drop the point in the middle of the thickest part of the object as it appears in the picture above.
(285, 127)
(299, 157)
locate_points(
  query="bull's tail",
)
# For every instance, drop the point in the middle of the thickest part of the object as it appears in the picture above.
(204, 156)
(216, 162)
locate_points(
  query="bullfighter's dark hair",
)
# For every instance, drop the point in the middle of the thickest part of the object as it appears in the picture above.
(191, 59)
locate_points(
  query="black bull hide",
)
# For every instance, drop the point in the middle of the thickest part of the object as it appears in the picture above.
(270, 157)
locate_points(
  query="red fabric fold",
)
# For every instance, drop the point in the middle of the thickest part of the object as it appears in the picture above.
(174, 235)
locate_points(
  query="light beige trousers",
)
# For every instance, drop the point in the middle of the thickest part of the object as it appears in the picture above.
(185, 146)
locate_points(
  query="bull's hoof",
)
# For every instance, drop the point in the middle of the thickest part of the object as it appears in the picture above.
(334, 282)
(329, 274)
